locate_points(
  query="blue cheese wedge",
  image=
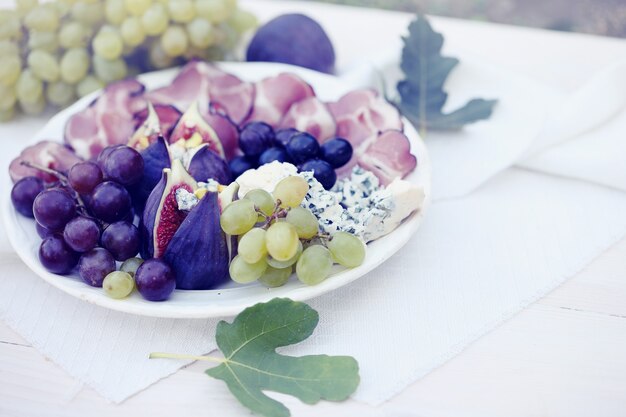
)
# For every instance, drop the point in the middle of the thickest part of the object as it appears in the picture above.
(264, 177)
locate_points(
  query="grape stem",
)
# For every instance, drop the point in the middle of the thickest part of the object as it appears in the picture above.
(162, 355)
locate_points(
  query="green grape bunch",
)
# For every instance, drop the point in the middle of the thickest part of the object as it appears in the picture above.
(57, 51)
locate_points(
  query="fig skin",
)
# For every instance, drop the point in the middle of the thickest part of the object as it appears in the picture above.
(198, 252)
(156, 157)
(293, 39)
(207, 164)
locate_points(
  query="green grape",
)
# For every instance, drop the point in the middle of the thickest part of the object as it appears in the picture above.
(109, 70)
(29, 88)
(181, 11)
(155, 20)
(238, 217)
(304, 221)
(137, 7)
(88, 85)
(24, 6)
(314, 265)
(10, 25)
(9, 48)
(291, 191)
(6, 115)
(74, 65)
(252, 247)
(44, 65)
(263, 200)
(62, 8)
(42, 18)
(174, 41)
(35, 107)
(89, 13)
(132, 31)
(115, 11)
(73, 35)
(201, 33)
(284, 264)
(215, 11)
(276, 277)
(7, 97)
(45, 41)
(282, 240)
(243, 21)
(131, 265)
(227, 36)
(158, 57)
(10, 69)
(243, 272)
(60, 93)
(347, 249)
(108, 43)
(118, 284)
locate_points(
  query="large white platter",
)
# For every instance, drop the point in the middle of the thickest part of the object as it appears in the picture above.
(231, 299)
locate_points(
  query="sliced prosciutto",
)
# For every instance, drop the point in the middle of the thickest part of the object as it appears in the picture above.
(389, 156)
(47, 154)
(311, 115)
(205, 83)
(225, 129)
(275, 95)
(107, 121)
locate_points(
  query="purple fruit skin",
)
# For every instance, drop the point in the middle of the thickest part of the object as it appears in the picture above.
(124, 165)
(121, 239)
(56, 256)
(110, 202)
(24, 193)
(81, 234)
(156, 157)
(148, 219)
(53, 208)
(95, 265)
(207, 164)
(198, 251)
(104, 154)
(42, 231)
(293, 39)
(155, 280)
(85, 176)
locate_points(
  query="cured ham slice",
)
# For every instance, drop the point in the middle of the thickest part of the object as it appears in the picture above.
(47, 154)
(205, 83)
(311, 115)
(275, 95)
(107, 121)
(389, 156)
(226, 130)
(168, 117)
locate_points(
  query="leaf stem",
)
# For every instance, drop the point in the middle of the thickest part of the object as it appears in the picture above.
(163, 355)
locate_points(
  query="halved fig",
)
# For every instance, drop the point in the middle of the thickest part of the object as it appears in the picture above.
(156, 158)
(193, 130)
(205, 164)
(198, 251)
(161, 217)
(152, 122)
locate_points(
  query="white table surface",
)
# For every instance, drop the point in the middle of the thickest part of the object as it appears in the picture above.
(562, 356)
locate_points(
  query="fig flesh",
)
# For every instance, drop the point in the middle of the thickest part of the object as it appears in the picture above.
(161, 217)
(193, 130)
(198, 251)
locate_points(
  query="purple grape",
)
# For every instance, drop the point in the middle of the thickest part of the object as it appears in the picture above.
(110, 202)
(255, 138)
(155, 280)
(274, 154)
(302, 147)
(82, 234)
(105, 153)
(85, 176)
(121, 239)
(24, 193)
(283, 136)
(322, 171)
(53, 208)
(42, 231)
(337, 152)
(94, 265)
(56, 256)
(240, 164)
(124, 165)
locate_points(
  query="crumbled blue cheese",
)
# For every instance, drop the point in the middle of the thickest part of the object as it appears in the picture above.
(210, 185)
(185, 200)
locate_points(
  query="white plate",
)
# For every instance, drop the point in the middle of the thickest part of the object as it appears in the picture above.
(233, 298)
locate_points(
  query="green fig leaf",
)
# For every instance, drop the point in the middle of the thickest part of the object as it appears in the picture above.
(251, 364)
(422, 96)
